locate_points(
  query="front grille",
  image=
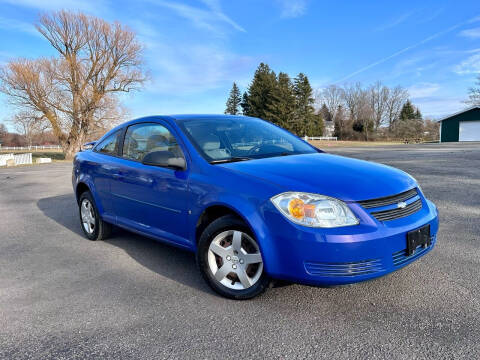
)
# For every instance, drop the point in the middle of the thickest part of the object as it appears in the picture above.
(401, 257)
(398, 213)
(344, 269)
(388, 200)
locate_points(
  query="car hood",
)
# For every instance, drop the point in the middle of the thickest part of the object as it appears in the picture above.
(331, 175)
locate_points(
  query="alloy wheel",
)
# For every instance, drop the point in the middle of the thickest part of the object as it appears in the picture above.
(88, 216)
(235, 260)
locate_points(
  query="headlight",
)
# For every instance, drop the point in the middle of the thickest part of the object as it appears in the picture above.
(314, 210)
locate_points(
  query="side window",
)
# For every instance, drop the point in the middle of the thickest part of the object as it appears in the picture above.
(142, 139)
(109, 145)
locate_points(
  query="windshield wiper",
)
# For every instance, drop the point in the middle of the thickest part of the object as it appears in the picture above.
(278, 154)
(232, 159)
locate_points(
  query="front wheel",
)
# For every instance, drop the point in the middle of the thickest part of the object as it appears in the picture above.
(230, 259)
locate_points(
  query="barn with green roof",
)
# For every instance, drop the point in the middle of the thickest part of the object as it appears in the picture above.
(461, 126)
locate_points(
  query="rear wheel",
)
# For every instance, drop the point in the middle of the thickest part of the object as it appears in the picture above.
(230, 259)
(93, 226)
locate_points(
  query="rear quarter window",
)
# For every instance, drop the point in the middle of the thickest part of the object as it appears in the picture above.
(109, 145)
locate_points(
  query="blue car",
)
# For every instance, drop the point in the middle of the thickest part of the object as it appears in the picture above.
(254, 202)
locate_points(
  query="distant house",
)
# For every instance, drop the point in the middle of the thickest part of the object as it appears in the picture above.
(329, 128)
(461, 126)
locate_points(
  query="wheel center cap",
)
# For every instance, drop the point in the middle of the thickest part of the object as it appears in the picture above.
(235, 259)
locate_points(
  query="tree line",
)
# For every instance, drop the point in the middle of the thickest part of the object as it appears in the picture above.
(376, 111)
(279, 99)
(357, 112)
(26, 136)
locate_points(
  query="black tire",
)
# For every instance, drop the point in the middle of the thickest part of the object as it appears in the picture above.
(225, 223)
(102, 229)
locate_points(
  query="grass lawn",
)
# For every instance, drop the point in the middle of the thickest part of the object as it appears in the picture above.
(49, 151)
(54, 154)
(341, 143)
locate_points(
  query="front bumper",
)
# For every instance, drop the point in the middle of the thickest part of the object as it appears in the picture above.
(342, 255)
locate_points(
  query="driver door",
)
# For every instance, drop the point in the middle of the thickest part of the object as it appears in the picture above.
(151, 199)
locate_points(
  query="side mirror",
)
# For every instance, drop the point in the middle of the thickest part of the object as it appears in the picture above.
(164, 159)
(88, 146)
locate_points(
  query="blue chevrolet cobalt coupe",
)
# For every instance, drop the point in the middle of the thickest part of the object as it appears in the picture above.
(254, 202)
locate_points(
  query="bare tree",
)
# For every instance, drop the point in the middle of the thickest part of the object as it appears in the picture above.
(378, 98)
(332, 96)
(398, 97)
(77, 90)
(353, 97)
(431, 129)
(474, 94)
(30, 125)
(340, 123)
(3, 134)
(410, 129)
(357, 103)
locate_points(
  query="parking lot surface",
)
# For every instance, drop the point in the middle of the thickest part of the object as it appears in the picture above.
(62, 296)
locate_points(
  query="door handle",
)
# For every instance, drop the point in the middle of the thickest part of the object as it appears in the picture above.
(117, 176)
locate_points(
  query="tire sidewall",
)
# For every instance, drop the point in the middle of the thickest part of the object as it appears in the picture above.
(93, 236)
(216, 227)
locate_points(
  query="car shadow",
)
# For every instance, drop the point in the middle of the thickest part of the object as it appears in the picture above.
(169, 261)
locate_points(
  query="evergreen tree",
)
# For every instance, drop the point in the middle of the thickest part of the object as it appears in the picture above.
(316, 126)
(305, 119)
(260, 92)
(418, 114)
(326, 114)
(408, 111)
(245, 104)
(233, 102)
(410, 124)
(281, 109)
(278, 100)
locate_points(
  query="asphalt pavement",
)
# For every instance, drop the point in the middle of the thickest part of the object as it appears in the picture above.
(64, 297)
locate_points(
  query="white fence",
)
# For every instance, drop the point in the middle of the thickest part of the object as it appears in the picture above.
(43, 160)
(4, 158)
(33, 147)
(18, 159)
(23, 159)
(306, 138)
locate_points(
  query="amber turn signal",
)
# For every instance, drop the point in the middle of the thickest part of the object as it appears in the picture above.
(296, 208)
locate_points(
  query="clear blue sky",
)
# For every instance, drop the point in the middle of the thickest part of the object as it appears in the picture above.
(196, 49)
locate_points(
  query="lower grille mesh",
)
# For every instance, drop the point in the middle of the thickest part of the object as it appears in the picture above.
(344, 269)
(401, 257)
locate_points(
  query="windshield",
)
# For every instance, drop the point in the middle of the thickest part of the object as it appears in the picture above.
(237, 139)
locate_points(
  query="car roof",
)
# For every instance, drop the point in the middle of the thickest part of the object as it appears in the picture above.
(189, 117)
(186, 117)
(174, 118)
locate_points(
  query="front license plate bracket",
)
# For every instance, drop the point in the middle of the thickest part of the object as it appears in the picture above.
(420, 236)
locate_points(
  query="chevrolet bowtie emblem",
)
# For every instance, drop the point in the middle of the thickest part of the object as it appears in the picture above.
(401, 204)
